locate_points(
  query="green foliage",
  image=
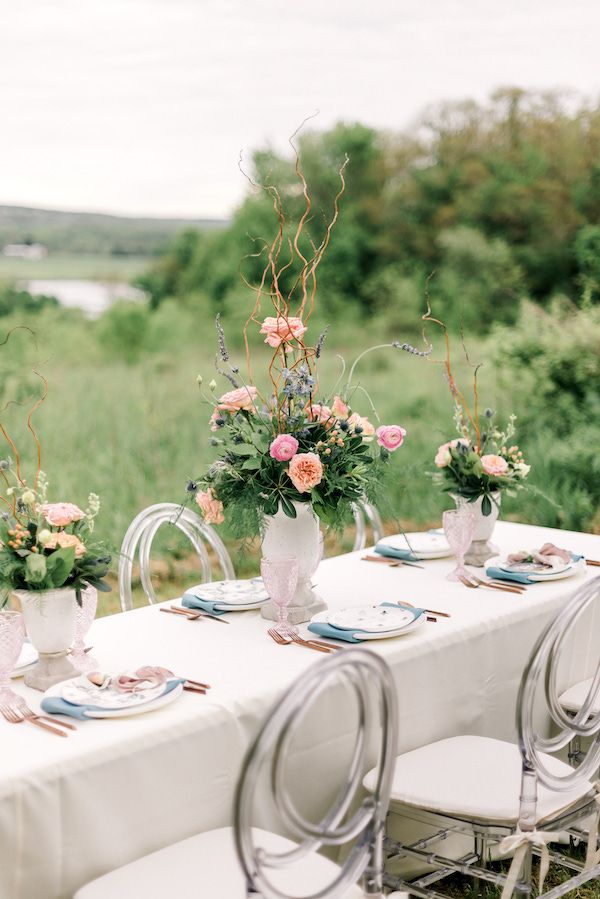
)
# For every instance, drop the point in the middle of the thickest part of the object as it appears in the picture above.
(123, 329)
(12, 299)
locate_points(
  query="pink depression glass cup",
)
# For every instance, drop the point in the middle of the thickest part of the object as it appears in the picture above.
(12, 635)
(280, 577)
(84, 615)
(459, 527)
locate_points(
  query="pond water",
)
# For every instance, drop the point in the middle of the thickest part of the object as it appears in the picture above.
(94, 297)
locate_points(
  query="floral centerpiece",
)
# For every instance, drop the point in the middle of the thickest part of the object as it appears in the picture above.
(480, 463)
(46, 546)
(48, 558)
(291, 453)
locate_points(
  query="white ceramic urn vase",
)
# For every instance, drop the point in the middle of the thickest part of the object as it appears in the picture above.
(481, 549)
(50, 623)
(298, 538)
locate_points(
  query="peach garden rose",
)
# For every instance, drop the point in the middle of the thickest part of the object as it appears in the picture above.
(493, 465)
(305, 471)
(282, 329)
(59, 515)
(242, 398)
(60, 540)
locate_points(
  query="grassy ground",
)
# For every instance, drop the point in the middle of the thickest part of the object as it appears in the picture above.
(88, 267)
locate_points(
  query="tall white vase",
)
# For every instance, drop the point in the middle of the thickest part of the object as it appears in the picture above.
(297, 538)
(481, 549)
(50, 623)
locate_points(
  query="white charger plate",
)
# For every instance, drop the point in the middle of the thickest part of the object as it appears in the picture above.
(556, 575)
(244, 594)
(382, 635)
(81, 691)
(422, 544)
(370, 619)
(157, 703)
(27, 658)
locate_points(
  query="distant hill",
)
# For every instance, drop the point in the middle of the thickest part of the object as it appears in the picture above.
(92, 232)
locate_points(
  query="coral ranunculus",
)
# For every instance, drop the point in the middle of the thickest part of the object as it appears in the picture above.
(283, 448)
(211, 507)
(59, 515)
(319, 412)
(361, 421)
(443, 457)
(60, 540)
(282, 329)
(305, 471)
(242, 398)
(495, 466)
(390, 437)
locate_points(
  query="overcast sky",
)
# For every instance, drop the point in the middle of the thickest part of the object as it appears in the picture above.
(142, 106)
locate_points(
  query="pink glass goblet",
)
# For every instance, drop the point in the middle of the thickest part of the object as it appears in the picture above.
(12, 635)
(280, 577)
(459, 527)
(84, 615)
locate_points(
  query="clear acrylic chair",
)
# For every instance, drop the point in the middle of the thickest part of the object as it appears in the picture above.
(244, 861)
(140, 536)
(365, 516)
(513, 798)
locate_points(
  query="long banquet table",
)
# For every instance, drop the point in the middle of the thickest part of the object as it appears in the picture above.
(72, 809)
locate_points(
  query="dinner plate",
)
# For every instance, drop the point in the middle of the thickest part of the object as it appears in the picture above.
(159, 702)
(81, 691)
(422, 544)
(371, 619)
(28, 657)
(248, 594)
(382, 635)
(538, 576)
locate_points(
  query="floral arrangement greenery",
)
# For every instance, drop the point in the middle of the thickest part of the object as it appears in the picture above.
(44, 545)
(480, 462)
(292, 444)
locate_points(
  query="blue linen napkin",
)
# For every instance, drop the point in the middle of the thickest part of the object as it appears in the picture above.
(193, 601)
(390, 552)
(323, 629)
(520, 577)
(56, 705)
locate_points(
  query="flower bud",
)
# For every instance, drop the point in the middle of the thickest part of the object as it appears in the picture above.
(199, 379)
(43, 536)
(213, 385)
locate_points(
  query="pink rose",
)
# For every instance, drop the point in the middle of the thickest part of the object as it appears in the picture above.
(282, 329)
(359, 421)
(211, 507)
(339, 408)
(323, 414)
(283, 448)
(240, 398)
(443, 457)
(495, 466)
(59, 515)
(305, 471)
(61, 540)
(390, 437)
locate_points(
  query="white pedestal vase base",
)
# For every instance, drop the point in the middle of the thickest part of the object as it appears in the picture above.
(50, 669)
(482, 548)
(295, 538)
(50, 623)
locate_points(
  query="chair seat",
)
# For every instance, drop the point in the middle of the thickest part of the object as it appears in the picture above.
(476, 778)
(206, 865)
(573, 698)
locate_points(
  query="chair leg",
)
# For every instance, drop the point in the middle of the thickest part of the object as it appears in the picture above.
(373, 876)
(576, 754)
(526, 876)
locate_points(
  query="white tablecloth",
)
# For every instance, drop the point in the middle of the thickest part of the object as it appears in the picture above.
(72, 809)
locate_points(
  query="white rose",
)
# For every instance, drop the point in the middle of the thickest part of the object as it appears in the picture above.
(522, 469)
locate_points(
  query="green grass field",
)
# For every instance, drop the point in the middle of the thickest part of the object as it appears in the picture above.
(65, 265)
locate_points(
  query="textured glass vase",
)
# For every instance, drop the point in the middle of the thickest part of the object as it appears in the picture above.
(299, 538)
(482, 548)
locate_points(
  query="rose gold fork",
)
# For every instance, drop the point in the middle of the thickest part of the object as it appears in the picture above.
(15, 718)
(30, 715)
(285, 641)
(474, 586)
(508, 588)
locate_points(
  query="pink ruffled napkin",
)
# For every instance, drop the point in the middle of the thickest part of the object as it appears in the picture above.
(145, 678)
(549, 555)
